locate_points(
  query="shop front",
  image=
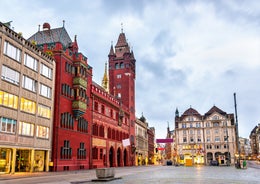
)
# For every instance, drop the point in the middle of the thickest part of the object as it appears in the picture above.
(14, 160)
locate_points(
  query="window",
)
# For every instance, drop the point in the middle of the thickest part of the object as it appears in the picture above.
(190, 119)
(82, 152)
(30, 62)
(207, 131)
(191, 125)
(183, 125)
(66, 150)
(215, 124)
(184, 139)
(12, 51)
(67, 120)
(191, 131)
(207, 124)
(7, 125)
(217, 139)
(44, 111)
(118, 76)
(8, 100)
(82, 125)
(45, 91)
(216, 117)
(10, 75)
(216, 131)
(28, 106)
(191, 139)
(94, 153)
(101, 154)
(217, 146)
(42, 132)
(26, 129)
(199, 139)
(121, 65)
(118, 86)
(197, 125)
(119, 95)
(117, 66)
(208, 139)
(46, 71)
(29, 83)
(184, 132)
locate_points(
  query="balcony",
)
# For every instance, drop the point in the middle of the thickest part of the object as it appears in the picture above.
(78, 108)
(79, 81)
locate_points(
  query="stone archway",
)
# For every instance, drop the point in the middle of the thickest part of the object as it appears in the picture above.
(209, 157)
(111, 157)
(118, 157)
(125, 157)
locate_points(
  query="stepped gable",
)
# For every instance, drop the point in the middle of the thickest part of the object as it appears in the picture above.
(215, 109)
(48, 35)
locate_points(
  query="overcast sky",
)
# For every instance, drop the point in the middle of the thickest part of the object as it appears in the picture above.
(188, 53)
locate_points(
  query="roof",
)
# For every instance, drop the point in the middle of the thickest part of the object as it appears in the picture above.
(121, 42)
(190, 112)
(215, 109)
(52, 36)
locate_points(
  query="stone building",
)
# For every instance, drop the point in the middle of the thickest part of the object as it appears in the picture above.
(151, 147)
(203, 138)
(141, 139)
(255, 142)
(26, 104)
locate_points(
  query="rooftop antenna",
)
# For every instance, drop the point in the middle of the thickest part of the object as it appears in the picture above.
(63, 23)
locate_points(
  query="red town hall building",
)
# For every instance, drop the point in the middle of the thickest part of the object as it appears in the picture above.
(90, 121)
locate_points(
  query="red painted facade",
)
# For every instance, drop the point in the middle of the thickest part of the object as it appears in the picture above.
(89, 123)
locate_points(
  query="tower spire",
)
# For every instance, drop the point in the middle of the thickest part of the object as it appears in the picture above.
(105, 81)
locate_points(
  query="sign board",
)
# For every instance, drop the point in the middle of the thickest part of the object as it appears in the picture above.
(169, 140)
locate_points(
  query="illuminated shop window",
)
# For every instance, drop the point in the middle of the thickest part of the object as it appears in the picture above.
(8, 100)
(12, 51)
(44, 111)
(7, 125)
(26, 129)
(42, 132)
(10, 75)
(28, 106)
(30, 62)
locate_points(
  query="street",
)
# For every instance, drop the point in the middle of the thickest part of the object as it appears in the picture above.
(147, 174)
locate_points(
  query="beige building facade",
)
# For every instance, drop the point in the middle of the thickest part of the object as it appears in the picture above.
(201, 139)
(26, 104)
(141, 140)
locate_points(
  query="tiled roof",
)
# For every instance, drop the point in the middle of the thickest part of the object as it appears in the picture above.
(190, 112)
(215, 109)
(52, 36)
(121, 42)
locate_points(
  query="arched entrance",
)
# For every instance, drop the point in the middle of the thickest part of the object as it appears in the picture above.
(125, 157)
(209, 157)
(118, 157)
(111, 157)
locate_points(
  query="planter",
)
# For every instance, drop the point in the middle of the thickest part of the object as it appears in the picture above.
(102, 173)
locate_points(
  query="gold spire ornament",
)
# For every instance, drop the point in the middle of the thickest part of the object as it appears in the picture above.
(105, 81)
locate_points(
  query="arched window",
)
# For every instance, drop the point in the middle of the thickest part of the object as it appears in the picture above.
(117, 66)
(121, 65)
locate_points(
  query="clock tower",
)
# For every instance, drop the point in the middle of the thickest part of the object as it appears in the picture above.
(122, 77)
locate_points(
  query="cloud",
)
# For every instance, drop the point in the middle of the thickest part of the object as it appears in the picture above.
(188, 53)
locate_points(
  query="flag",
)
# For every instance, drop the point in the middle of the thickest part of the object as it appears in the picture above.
(126, 142)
